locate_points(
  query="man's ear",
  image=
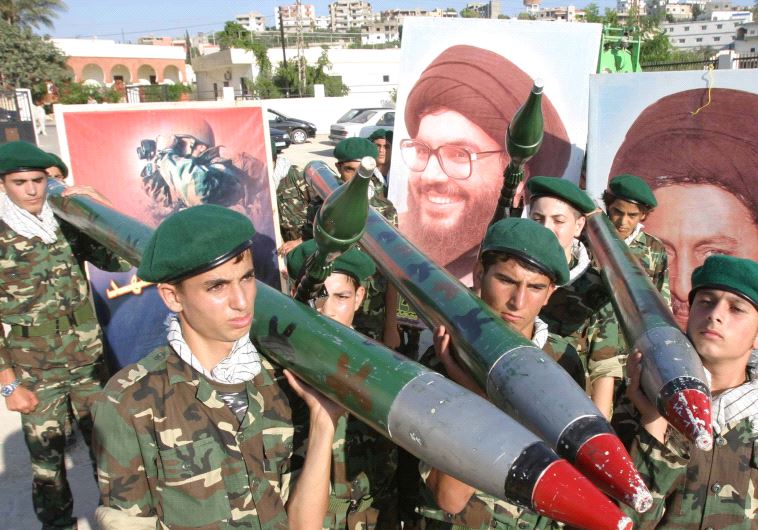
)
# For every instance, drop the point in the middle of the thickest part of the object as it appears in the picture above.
(478, 275)
(360, 295)
(171, 296)
(755, 342)
(580, 222)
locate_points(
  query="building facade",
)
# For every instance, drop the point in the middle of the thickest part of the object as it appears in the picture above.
(381, 31)
(561, 14)
(679, 11)
(105, 62)
(746, 39)
(701, 34)
(252, 21)
(349, 15)
(288, 15)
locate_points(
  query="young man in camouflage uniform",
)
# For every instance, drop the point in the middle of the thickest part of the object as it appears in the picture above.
(580, 310)
(382, 139)
(200, 433)
(363, 493)
(694, 489)
(628, 200)
(519, 268)
(378, 316)
(53, 357)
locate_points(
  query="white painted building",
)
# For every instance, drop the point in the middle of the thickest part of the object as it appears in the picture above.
(742, 16)
(679, 11)
(560, 14)
(363, 71)
(532, 7)
(625, 6)
(381, 32)
(252, 21)
(746, 39)
(701, 34)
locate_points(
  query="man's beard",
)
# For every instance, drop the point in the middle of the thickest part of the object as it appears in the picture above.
(439, 240)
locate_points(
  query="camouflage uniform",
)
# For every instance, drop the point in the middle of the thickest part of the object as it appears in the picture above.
(363, 493)
(653, 258)
(694, 489)
(55, 348)
(581, 313)
(484, 511)
(292, 198)
(167, 445)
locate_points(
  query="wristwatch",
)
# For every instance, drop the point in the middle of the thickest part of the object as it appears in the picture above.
(7, 390)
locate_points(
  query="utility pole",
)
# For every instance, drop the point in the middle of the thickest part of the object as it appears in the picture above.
(300, 50)
(281, 32)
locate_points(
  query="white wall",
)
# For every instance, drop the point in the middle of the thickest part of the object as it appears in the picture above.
(323, 112)
(110, 48)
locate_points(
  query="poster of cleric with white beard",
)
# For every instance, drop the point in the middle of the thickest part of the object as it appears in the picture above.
(693, 137)
(456, 98)
(151, 160)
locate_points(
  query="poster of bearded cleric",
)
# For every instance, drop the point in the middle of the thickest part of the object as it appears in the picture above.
(151, 160)
(693, 137)
(456, 98)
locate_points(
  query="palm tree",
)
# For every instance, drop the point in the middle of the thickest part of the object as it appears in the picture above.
(31, 13)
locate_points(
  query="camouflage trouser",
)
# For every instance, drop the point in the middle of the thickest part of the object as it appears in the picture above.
(57, 389)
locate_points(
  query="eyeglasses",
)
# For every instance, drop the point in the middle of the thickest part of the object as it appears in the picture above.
(455, 161)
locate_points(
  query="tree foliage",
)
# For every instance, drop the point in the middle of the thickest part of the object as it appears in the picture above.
(75, 93)
(470, 13)
(31, 13)
(28, 61)
(287, 79)
(592, 13)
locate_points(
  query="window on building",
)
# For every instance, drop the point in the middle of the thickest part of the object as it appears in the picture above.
(752, 50)
(385, 79)
(703, 27)
(153, 80)
(699, 39)
(117, 78)
(719, 26)
(243, 86)
(686, 28)
(716, 39)
(681, 41)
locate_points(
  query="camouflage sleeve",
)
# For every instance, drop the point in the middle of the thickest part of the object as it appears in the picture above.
(606, 345)
(662, 278)
(124, 466)
(292, 204)
(5, 356)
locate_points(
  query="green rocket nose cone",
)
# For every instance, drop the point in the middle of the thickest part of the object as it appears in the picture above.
(524, 134)
(341, 220)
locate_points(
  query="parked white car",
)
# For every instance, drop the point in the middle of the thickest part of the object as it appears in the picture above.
(362, 122)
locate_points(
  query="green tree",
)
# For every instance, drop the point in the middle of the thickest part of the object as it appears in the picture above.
(28, 61)
(592, 13)
(656, 49)
(287, 79)
(31, 13)
(696, 11)
(525, 16)
(469, 13)
(611, 17)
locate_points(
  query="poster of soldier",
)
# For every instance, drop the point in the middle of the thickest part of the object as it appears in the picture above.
(456, 98)
(693, 137)
(151, 160)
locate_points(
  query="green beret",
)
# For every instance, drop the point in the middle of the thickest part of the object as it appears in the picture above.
(381, 134)
(59, 164)
(355, 149)
(633, 189)
(23, 156)
(529, 241)
(562, 189)
(727, 273)
(193, 241)
(353, 262)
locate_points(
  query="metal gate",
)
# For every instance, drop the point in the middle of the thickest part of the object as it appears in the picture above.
(16, 120)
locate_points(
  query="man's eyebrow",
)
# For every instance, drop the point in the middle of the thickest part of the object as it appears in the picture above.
(717, 240)
(214, 282)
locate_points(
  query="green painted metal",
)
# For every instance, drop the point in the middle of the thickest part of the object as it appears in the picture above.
(619, 50)
(522, 141)
(362, 375)
(339, 224)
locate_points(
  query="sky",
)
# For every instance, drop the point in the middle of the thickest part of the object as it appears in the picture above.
(129, 19)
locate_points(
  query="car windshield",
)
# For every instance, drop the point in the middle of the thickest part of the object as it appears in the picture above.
(363, 117)
(348, 115)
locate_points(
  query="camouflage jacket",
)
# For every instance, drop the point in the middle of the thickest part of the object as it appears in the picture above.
(694, 489)
(653, 258)
(41, 283)
(292, 198)
(581, 312)
(363, 486)
(168, 446)
(484, 511)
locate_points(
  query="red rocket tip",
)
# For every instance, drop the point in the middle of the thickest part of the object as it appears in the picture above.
(689, 411)
(564, 494)
(607, 464)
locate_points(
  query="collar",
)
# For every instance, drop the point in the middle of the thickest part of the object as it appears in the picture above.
(43, 226)
(540, 333)
(581, 258)
(736, 404)
(637, 230)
